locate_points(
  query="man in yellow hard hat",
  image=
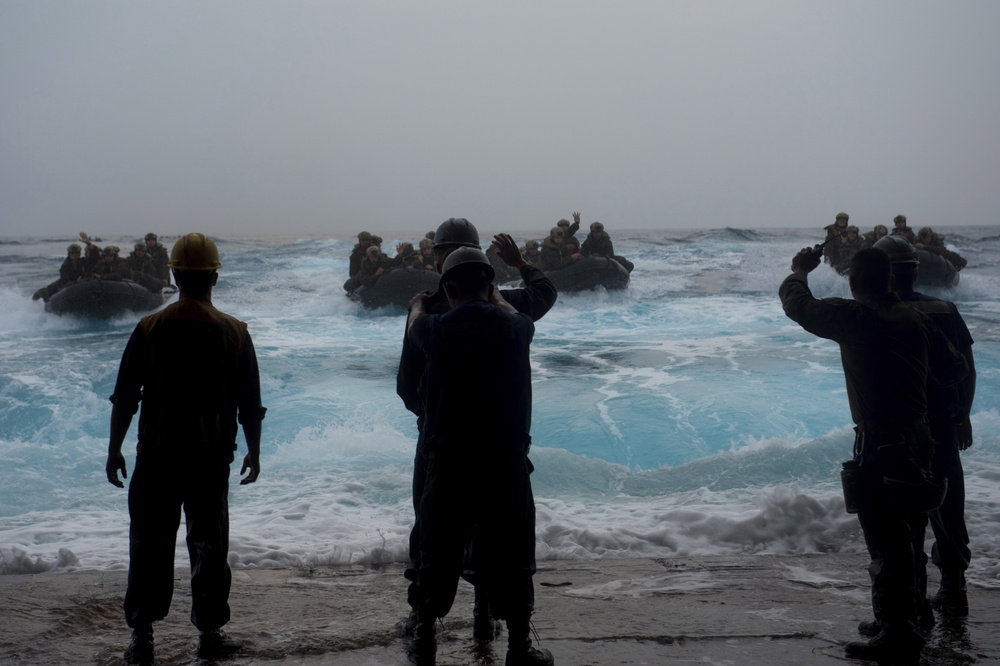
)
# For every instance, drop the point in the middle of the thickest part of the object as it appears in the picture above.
(194, 369)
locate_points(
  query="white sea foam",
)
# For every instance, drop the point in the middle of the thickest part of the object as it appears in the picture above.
(684, 416)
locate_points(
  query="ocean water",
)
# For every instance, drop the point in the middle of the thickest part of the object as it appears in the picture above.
(685, 415)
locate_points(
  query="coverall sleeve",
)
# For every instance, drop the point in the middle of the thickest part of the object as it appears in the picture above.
(536, 298)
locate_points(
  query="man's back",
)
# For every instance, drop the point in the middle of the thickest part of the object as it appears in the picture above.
(477, 367)
(195, 367)
(887, 350)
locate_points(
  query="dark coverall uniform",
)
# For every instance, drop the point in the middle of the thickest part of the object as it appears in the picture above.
(477, 468)
(947, 405)
(194, 369)
(534, 300)
(889, 354)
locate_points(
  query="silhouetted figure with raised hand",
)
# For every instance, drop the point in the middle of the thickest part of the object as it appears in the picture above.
(477, 483)
(194, 371)
(889, 352)
(535, 299)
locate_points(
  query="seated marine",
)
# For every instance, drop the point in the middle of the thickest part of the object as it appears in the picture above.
(159, 257)
(142, 268)
(530, 252)
(553, 254)
(598, 244)
(839, 226)
(72, 270)
(372, 267)
(849, 245)
(900, 229)
(112, 266)
(358, 253)
(427, 254)
(406, 257)
(932, 242)
(870, 238)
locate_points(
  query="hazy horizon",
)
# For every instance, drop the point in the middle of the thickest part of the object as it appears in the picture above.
(308, 118)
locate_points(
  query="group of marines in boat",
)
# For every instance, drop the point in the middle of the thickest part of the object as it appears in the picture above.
(572, 265)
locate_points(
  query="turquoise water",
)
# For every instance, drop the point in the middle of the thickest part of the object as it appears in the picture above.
(684, 415)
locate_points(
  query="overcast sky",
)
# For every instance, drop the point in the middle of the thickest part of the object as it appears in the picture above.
(331, 117)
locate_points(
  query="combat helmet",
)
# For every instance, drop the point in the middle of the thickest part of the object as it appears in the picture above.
(596, 227)
(194, 252)
(925, 231)
(74, 249)
(139, 247)
(898, 248)
(456, 232)
(466, 259)
(881, 230)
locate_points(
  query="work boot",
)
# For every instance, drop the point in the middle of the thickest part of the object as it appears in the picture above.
(140, 650)
(902, 649)
(519, 649)
(215, 643)
(870, 628)
(410, 623)
(423, 647)
(484, 627)
(952, 598)
(530, 657)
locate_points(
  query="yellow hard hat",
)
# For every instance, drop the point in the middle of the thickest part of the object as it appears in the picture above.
(195, 252)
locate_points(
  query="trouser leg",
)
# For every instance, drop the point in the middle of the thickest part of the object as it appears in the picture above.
(506, 540)
(951, 537)
(889, 534)
(206, 509)
(154, 503)
(419, 480)
(445, 524)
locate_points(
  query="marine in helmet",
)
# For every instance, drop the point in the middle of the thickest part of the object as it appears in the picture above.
(849, 244)
(927, 238)
(372, 268)
(406, 257)
(72, 270)
(358, 253)
(142, 269)
(112, 266)
(530, 252)
(949, 410)
(427, 254)
(553, 253)
(534, 299)
(569, 230)
(899, 228)
(869, 239)
(158, 256)
(838, 227)
(933, 243)
(193, 370)
(598, 244)
(478, 488)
